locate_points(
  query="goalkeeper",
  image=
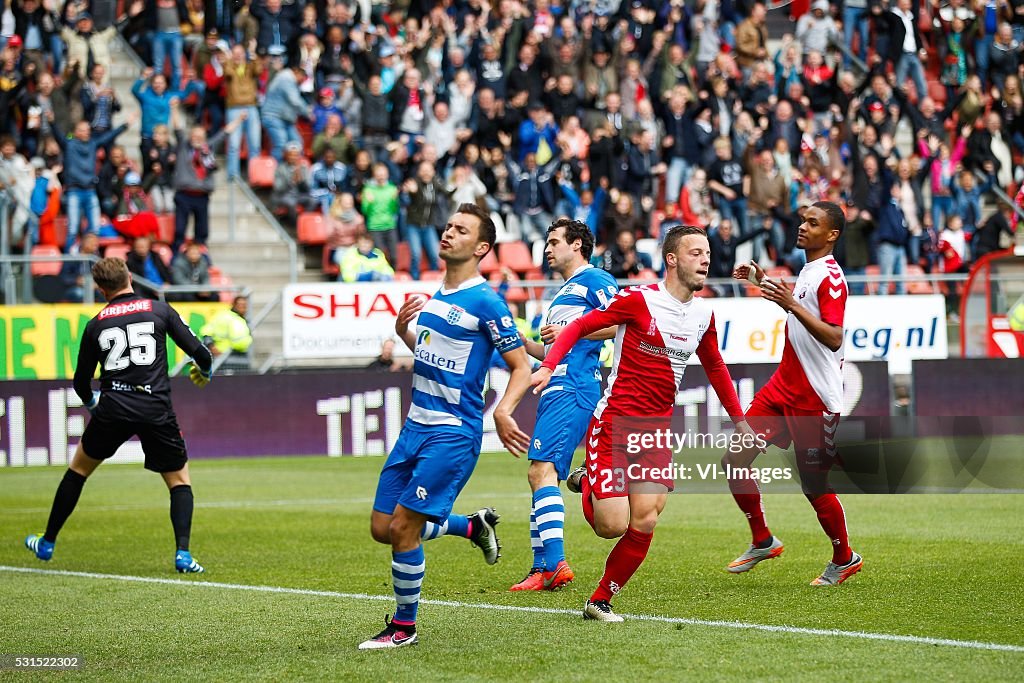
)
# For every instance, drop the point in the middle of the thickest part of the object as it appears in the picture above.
(128, 340)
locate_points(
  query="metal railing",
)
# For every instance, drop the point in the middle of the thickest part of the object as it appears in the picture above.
(1005, 198)
(848, 54)
(261, 209)
(162, 291)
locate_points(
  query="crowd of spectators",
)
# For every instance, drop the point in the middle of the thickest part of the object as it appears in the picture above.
(625, 115)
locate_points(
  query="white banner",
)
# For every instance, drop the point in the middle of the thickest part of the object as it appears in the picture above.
(339, 320)
(894, 328)
(336, 320)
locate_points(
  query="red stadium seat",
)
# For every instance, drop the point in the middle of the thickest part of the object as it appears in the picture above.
(646, 274)
(165, 227)
(219, 279)
(489, 264)
(516, 295)
(402, 276)
(164, 251)
(431, 275)
(535, 274)
(872, 287)
(117, 251)
(312, 228)
(46, 267)
(306, 133)
(516, 256)
(921, 286)
(60, 230)
(403, 257)
(261, 171)
(937, 92)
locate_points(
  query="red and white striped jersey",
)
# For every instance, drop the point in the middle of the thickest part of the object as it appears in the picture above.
(810, 376)
(656, 336)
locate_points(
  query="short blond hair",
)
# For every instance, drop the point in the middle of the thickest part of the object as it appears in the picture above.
(111, 274)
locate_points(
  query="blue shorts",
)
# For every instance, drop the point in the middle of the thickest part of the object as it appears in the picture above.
(561, 425)
(426, 470)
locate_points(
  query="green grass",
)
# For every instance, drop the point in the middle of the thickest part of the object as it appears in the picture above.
(936, 566)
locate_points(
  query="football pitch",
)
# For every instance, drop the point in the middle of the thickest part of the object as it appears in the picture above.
(940, 595)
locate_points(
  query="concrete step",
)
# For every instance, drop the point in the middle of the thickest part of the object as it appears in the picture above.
(253, 250)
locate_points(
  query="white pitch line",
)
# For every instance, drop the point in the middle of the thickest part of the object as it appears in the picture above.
(770, 628)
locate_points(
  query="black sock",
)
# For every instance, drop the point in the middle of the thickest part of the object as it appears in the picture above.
(766, 543)
(181, 514)
(64, 502)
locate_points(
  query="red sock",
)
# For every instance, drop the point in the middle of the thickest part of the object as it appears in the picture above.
(833, 520)
(748, 497)
(623, 561)
(588, 502)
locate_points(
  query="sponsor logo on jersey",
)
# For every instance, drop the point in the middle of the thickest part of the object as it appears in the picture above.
(492, 327)
(574, 289)
(443, 352)
(123, 386)
(421, 493)
(435, 359)
(506, 321)
(114, 310)
(678, 338)
(653, 350)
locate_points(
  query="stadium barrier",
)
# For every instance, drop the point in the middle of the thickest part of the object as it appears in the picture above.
(969, 387)
(353, 413)
(41, 341)
(333, 320)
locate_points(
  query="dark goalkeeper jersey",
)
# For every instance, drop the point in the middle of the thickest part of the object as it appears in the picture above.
(128, 338)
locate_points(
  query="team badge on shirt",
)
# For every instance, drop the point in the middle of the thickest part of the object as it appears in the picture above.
(455, 315)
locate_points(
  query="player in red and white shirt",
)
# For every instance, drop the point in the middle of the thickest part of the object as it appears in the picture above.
(802, 400)
(659, 327)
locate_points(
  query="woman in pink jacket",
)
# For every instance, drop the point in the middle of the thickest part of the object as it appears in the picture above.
(943, 169)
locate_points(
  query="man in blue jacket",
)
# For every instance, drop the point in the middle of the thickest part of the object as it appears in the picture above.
(80, 173)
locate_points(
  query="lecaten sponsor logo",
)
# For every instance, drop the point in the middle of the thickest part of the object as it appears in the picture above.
(434, 359)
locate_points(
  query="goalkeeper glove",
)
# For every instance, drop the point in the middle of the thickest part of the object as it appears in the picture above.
(198, 377)
(91, 405)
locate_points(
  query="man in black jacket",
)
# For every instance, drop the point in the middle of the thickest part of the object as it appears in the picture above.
(220, 15)
(723, 252)
(35, 26)
(906, 46)
(146, 263)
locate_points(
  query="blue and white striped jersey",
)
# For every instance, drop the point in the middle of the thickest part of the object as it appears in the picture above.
(588, 288)
(456, 332)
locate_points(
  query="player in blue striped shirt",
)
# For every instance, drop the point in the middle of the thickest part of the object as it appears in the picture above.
(568, 402)
(456, 332)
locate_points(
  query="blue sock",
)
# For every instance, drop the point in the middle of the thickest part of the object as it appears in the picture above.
(455, 525)
(535, 543)
(407, 571)
(550, 512)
